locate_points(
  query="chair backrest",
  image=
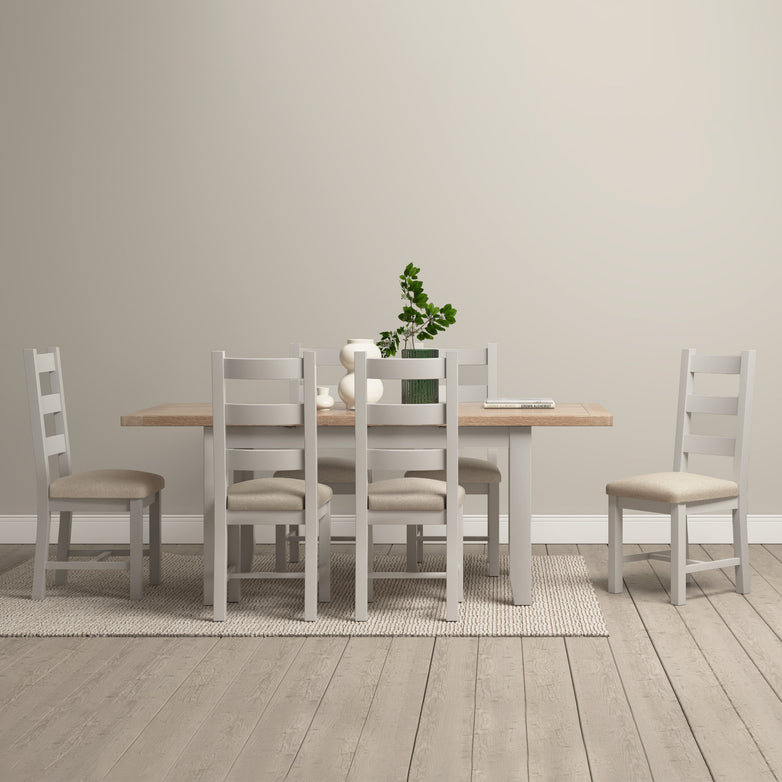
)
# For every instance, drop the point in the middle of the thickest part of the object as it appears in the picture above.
(47, 412)
(324, 357)
(477, 357)
(234, 452)
(688, 442)
(394, 452)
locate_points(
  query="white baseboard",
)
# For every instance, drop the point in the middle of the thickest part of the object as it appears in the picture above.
(639, 528)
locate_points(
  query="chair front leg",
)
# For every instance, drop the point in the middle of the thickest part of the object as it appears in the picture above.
(155, 540)
(741, 548)
(678, 554)
(293, 545)
(370, 564)
(324, 555)
(615, 552)
(493, 521)
(63, 545)
(235, 561)
(412, 548)
(136, 549)
(41, 551)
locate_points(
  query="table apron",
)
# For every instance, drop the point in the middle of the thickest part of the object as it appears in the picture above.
(343, 436)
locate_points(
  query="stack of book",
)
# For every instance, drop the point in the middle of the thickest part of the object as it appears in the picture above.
(518, 403)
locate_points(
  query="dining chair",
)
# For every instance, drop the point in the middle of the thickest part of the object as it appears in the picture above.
(59, 490)
(338, 472)
(268, 500)
(385, 440)
(681, 493)
(477, 475)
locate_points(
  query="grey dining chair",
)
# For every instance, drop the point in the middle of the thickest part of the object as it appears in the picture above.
(59, 490)
(385, 440)
(269, 500)
(682, 493)
(478, 476)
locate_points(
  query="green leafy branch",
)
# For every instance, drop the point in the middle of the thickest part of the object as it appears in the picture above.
(421, 320)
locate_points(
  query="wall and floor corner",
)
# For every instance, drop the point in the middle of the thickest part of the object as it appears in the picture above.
(593, 186)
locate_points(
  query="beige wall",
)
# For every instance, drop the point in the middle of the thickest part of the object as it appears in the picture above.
(594, 185)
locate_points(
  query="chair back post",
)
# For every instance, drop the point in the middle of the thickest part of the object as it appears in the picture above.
(683, 419)
(452, 435)
(746, 388)
(218, 424)
(361, 433)
(310, 435)
(60, 417)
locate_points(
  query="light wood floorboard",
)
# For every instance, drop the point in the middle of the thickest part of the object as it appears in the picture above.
(675, 693)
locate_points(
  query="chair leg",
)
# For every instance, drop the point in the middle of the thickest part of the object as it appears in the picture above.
(235, 561)
(370, 564)
(615, 554)
(412, 548)
(419, 544)
(678, 554)
(41, 553)
(493, 521)
(63, 546)
(293, 545)
(280, 563)
(136, 549)
(362, 566)
(311, 566)
(155, 540)
(741, 548)
(452, 568)
(324, 556)
(460, 556)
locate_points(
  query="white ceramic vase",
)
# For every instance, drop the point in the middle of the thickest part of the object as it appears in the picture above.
(347, 386)
(324, 400)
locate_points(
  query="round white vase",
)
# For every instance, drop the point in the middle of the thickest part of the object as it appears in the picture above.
(324, 400)
(347, 386)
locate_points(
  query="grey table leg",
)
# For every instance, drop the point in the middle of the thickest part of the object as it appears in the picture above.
(520, 513)
(209, 516)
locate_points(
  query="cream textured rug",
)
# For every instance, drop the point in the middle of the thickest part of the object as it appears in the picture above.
(96, 603)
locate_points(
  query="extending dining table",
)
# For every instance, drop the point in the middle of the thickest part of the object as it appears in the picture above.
(501, 429)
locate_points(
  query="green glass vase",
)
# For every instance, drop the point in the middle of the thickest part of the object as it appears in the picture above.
(420, 392)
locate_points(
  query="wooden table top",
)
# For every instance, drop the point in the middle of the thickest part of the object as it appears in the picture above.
(470, 414)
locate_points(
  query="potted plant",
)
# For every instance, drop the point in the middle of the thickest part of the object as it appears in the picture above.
(421, 321)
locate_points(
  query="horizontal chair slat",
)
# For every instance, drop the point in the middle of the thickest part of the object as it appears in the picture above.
(403, 459)
(91, 565)
(55, 444)
(718, 405)
(716, 365)
(409, 415)
(406, 368)
(711, 445)
(471, 356)
(264, 415)
(252, 460)
(263, 368)
(44, 362)
(51, 403)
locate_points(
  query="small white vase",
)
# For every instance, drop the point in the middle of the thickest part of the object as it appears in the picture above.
(324, 400)
(347, 386)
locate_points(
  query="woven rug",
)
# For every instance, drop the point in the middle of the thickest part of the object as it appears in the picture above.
(96, 603)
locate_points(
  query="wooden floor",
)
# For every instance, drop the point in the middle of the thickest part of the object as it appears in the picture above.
(690, 693)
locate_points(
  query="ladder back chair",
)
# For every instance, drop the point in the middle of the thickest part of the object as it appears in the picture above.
(338, 472)
(59, 490)
(385, 440)
(681, 493)
(476, 475)
(245, 442)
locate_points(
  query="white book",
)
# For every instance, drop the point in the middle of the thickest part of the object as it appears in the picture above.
(518, 403)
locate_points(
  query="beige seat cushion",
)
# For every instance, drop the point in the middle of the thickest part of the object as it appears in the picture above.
(331, 469)
(106, 485)
(470, 471)
(673, 487)
(272, 494)
(409, 494)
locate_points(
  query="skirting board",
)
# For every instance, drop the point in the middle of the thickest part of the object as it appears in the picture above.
(639, 528)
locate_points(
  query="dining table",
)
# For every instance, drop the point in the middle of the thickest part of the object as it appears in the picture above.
(503, 429)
